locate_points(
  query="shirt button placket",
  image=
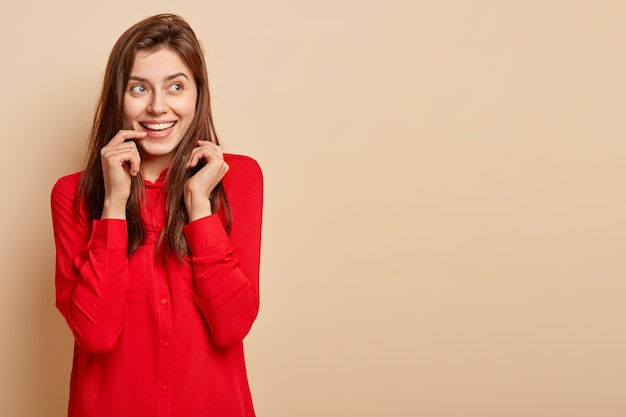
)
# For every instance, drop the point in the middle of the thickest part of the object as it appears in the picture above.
(165, 322)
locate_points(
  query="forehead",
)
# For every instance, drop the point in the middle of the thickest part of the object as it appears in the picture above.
(159, 64)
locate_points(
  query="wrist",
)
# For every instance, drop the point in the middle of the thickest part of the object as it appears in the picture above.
(114, 209)
(197, 206)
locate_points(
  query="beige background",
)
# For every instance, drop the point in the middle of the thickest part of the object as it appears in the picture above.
(444, 223)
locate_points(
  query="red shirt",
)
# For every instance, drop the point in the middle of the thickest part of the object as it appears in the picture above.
(156, 338)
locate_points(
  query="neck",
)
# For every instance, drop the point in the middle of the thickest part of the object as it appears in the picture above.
(151, 168)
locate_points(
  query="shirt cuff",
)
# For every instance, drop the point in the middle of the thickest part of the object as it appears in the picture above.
(204, 233)
(109, 234)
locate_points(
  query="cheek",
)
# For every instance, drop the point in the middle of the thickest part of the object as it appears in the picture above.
(131, 110)
(187, 112)
(191, 103)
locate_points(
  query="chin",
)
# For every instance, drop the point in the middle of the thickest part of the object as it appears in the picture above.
(156, 151)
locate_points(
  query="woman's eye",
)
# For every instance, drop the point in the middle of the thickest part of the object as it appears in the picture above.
(176, 87)
(138, 89)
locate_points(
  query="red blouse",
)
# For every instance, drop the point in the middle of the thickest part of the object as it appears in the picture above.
(156, 338)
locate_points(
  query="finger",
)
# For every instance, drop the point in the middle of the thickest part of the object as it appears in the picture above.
(119, 147)
(134, 163)
(212, 145)
(118, 156)
(211, 174)
(124, 135)
(202, 152)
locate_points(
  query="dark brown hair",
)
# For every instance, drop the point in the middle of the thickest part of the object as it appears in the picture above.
(156, 32)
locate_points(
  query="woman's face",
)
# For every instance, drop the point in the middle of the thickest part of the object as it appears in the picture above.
(160, 99)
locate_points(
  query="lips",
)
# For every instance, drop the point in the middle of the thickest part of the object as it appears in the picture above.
(156, 127)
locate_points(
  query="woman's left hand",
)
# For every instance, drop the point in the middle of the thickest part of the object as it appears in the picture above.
(198, 188)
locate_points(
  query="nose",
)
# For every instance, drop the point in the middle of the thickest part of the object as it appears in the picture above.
(158, 105)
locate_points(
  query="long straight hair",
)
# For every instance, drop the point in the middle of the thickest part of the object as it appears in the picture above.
(156, 32)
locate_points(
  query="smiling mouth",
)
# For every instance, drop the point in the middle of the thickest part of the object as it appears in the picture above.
(156, 127)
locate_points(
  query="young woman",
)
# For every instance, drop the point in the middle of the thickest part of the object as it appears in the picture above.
(158, 241)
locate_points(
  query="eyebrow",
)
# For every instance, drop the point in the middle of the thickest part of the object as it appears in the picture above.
(168, 78)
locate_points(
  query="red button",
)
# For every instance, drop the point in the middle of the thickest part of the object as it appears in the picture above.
(164, 301)
(164, 388)
(166, 345)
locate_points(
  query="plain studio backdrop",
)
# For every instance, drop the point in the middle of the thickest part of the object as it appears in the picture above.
(444, 227)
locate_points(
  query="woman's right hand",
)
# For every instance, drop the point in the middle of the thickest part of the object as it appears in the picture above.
(120, 160)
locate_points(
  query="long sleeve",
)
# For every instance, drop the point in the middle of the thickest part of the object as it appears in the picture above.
(226, 267)
(91, 276)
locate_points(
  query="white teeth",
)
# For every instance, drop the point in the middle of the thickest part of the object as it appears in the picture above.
(158, 126)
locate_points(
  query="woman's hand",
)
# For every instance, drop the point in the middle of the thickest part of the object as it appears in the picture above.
(120, 160)
(198, 188)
